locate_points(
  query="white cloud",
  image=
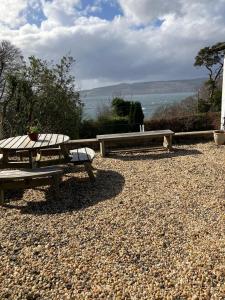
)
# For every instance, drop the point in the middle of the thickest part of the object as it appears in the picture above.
(10, 12)
(111, 51)
(143, 11)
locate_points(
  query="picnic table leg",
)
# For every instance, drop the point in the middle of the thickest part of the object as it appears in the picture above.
(102, 148)
(31, 161)
(167, 143)
(65, 151)
(5, 158)
(1, 196)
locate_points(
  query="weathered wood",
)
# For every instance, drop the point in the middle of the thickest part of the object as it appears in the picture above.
(24, 143)
(166, 134)
(83, 156)
(102, 148)
(29, 173)
(167, 143)
(133, 135)
(1, 196)
(14, 179)
(5, 157)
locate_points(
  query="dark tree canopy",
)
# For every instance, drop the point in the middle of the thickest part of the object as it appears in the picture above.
(212, 58)
(40, 93)
(121, 107)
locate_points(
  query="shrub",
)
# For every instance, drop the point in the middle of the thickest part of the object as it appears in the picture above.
(121, 107)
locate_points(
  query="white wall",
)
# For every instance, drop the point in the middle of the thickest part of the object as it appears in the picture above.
(222, 126)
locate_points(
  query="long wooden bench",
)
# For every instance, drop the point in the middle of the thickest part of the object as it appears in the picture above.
(166, 134)
(29, 178)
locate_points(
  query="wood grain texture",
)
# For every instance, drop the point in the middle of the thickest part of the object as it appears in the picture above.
(134, 135)
(24, 143)
(29, 173)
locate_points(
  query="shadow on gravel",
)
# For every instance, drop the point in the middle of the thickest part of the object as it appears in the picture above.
(161, 154)
(75, 194)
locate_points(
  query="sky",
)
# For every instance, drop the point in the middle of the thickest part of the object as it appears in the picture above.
(116, 41)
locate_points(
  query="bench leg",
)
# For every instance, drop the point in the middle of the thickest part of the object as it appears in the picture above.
(102, 148)
(167, 143)
(88, 169)
(2, 197)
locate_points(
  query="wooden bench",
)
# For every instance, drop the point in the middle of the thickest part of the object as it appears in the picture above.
(83, 156)
(118, 137)
(29, 178)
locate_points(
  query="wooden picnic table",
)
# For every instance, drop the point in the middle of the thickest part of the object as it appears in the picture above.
(166, 134)
(45, 140)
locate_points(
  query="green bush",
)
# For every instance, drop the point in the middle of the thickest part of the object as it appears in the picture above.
(121, 107)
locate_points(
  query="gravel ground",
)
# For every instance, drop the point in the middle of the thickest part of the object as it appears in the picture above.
(152, 226)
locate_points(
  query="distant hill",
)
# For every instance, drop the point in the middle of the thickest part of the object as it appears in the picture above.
(142, 88)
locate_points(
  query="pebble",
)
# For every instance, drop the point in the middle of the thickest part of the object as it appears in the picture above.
(150, 227)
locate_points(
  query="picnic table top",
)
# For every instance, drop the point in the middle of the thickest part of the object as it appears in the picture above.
(24, 143)
(134, 134)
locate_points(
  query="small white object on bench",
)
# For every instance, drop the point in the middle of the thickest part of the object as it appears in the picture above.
(27, 178)
(83, 156)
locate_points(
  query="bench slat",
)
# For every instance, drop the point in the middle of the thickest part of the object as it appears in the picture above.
(82, 154)
(134, 135)
(29, 173)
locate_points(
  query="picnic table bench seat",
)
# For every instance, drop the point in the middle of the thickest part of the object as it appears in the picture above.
(28, 178)
(83, 156)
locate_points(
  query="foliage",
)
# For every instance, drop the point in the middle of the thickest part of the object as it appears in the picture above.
(212, 59)
(196, 122)
(11, 61)
(186, 107)
(46, 93)
(33, 129)
(121, 107)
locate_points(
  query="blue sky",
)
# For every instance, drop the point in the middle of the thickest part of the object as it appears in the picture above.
(107, 10)
(116, 41)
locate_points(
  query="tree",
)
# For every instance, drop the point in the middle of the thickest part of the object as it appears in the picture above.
(44, 93)
(212, 59)
(136, 116)
(10, 62)
(121, 107)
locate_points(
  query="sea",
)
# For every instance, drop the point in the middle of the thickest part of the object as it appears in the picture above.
(93, 105)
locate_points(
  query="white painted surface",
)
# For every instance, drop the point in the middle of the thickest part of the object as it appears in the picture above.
(222, 126)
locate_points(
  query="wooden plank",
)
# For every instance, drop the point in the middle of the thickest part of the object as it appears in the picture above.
(13, 142)
(23, 145)
(40, 140)
(54, 139)
(29, 173)
(102, 148)
(5, 142)
(134, 135)
(83, 141)
(79, 155)
(19, 142)
(2, 141)
(46, 141)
